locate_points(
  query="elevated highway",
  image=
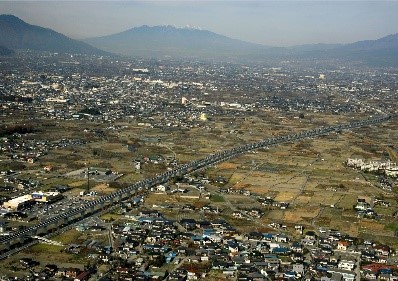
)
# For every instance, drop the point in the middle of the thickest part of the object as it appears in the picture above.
(9, 244)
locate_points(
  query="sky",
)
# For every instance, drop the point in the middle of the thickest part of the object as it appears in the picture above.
(275, 23)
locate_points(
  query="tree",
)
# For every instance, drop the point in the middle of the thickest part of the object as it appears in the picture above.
(157, 261)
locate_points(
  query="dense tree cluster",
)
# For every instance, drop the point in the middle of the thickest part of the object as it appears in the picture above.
(8, 130)
(13, 98)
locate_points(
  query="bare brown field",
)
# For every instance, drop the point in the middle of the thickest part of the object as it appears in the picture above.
(78, 183)
(348, 201)
(372, 226)
(299, 214)
(227, 166)
(286, 195)
(344, 226)
(241, 186)
(236, 178)
(239, 199)
(102, 188)
(327, 198)
(159, 199)
(303, 200)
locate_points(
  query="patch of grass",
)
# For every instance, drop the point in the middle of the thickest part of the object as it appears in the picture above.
(130, 177)
(369, 176)
(384, 211)
(392, 226)
(71, 236)
(217, 198)
(46, 248)
(77, 258)
(110, 217)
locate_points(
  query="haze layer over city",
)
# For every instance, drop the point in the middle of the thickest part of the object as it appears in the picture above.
(274, 23)
(198, 140)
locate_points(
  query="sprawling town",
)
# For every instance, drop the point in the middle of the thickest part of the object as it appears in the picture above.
(115, 168)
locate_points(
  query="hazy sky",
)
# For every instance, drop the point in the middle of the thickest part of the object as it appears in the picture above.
(278, 23)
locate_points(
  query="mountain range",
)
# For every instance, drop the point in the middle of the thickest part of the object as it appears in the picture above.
(383, 51)
(170, 41)
(158, 41)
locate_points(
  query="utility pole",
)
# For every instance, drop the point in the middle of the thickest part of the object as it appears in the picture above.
(88, 179)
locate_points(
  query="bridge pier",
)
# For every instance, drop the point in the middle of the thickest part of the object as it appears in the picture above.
(41, 230)
(5, 246)
(89, 210)
(72, 218)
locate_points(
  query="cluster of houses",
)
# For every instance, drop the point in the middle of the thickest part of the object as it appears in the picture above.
(248, 213)
(22, 149)
(270, 202)
(147, 246)
(13, 182)
(330, 255)
(188, 187)
(54, 91)
(53, 272)
(387, 168)
(364, 209)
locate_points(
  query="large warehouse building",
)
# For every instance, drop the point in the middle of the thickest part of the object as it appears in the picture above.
(19, 203)
(46, 197)
(25, 201)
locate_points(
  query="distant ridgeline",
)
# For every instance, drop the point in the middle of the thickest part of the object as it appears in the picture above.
(168, 41)
(16, 34)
